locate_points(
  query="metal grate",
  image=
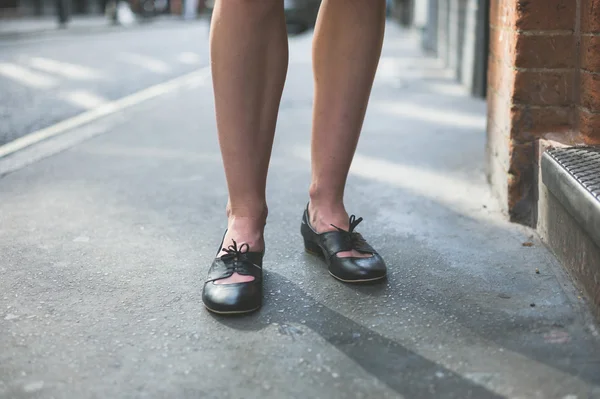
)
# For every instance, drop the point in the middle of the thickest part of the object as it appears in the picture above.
(583, 163)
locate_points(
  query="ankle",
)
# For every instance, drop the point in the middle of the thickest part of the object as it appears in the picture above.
(245, 231)
(246, 225)
(323, 215)
(253, 212)
(326, 194)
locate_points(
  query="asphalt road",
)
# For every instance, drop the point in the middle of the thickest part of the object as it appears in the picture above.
(44, 80)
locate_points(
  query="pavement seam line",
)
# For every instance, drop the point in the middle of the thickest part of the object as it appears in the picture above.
(103, 110)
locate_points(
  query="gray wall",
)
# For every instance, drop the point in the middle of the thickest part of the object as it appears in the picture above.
(457, 33)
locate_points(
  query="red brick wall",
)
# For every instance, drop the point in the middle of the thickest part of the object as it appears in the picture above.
(589, 105)
(544, 82)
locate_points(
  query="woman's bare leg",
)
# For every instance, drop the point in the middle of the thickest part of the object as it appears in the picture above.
(346, 50)
(249, 57)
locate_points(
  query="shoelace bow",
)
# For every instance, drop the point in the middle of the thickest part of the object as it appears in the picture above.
(235, 253)
(352, 238)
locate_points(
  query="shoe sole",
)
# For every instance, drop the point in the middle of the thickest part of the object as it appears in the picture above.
(366, 280)
(231, 312)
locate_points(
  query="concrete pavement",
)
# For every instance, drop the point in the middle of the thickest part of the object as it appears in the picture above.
(104, 247)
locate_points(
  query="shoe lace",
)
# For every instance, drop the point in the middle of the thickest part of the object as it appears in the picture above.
(234, 255)
(349, 235)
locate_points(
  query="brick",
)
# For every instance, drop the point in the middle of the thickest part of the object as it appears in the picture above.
(590, 91)
(492, 102)
(546, 14)
(502, 13)
(499, 116)
(496, 114)
(530, 123)
(501, 78)
(515, 190)
(544, 88)
(521, 157)
(590, 16)
(521, 181)
(533, 51)
(496, 175)
(539, 51)
(589, 126)
(497, 146)
(494, 11)
(590, 53)
(502, 45)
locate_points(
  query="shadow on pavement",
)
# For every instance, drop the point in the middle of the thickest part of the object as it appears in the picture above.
(403, 370)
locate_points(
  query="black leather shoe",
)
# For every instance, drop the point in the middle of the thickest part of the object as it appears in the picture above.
(327, 245)
(238, 297)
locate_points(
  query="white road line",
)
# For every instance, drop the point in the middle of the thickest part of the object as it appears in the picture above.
(26, 77)
(84, 99)
(195, 82)
(66, 69)
(104, 110)
(148, 63)
(189, 58)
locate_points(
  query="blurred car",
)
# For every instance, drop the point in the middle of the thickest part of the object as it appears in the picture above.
(300, 15)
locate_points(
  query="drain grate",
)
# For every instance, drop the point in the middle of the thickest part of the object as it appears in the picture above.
(583, 163)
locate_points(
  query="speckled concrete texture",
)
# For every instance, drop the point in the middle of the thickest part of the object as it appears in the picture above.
(104, 247)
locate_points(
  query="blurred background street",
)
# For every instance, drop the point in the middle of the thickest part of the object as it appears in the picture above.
(47, 80)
